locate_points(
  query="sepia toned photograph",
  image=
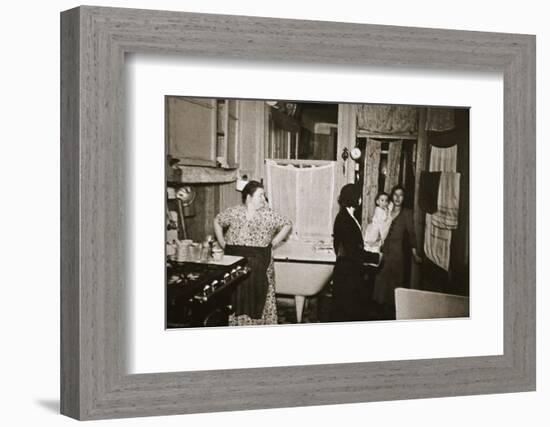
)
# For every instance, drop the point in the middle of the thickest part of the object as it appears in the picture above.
(286, 212)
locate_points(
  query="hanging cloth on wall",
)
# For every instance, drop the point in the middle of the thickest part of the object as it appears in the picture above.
(428, 191)
(437, 241)
(388, 119)
(446, 216)
(443, 159)
(437, 244)
(440, 119)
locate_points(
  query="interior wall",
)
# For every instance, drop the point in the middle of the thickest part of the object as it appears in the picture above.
(319, 120)
(206, 206)
(252, 132)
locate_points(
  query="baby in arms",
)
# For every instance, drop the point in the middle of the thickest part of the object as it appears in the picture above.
(378, 229)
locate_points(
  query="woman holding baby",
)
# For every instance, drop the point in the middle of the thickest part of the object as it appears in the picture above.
(390, 237)
(397, 240)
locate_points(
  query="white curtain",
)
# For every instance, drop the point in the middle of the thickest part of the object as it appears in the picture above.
(305, 195)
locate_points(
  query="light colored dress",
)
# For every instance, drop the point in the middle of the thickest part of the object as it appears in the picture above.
(256, 232)
(378, 228)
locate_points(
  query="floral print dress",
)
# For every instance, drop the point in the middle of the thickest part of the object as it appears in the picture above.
(259, 232)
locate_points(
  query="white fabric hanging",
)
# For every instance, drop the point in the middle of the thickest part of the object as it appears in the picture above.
(437, 244)
(447, 201)
(443, 159)
(437, 241)
(305, 195)
(281, 190)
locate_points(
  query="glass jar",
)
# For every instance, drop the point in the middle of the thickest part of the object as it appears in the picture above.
(195, 252)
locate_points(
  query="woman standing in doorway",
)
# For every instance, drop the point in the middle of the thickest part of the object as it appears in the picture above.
(251, 230)
(400, 241)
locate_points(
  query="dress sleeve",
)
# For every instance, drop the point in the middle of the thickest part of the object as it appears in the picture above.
(225, 217)
(278, 220)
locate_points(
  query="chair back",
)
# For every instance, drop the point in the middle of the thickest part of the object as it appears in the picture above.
(417, 304)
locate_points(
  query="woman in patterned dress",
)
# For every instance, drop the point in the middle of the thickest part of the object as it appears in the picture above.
(251, 230)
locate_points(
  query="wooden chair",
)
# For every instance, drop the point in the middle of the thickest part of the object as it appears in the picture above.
(417, 304)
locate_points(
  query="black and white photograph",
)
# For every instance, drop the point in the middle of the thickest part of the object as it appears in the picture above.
(248, 213)
(296, 212)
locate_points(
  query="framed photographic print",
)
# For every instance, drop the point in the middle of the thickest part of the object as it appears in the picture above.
(242, 198)
(291, 210)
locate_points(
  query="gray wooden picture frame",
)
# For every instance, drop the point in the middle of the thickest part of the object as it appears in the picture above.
(94, 41)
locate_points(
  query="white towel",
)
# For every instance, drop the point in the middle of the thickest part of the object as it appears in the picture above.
(437, 239)
(437, 244)
(448, 199)
(443, 159)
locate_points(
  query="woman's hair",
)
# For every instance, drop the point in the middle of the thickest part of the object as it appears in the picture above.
(250, 189)
(395, 188)
(382, 193)
(349, 196)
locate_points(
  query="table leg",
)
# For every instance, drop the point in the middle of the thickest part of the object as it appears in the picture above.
(300, 301)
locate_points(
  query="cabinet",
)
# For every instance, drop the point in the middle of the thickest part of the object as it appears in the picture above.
(191, 130)
(202, 131)
(227, 129)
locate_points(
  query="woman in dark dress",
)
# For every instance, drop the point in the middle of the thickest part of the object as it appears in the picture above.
(348, 278)
(399, 243)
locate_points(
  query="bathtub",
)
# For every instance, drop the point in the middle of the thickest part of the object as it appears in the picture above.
(301, 271)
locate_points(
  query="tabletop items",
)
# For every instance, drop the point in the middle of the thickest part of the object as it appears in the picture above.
(187, 250)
